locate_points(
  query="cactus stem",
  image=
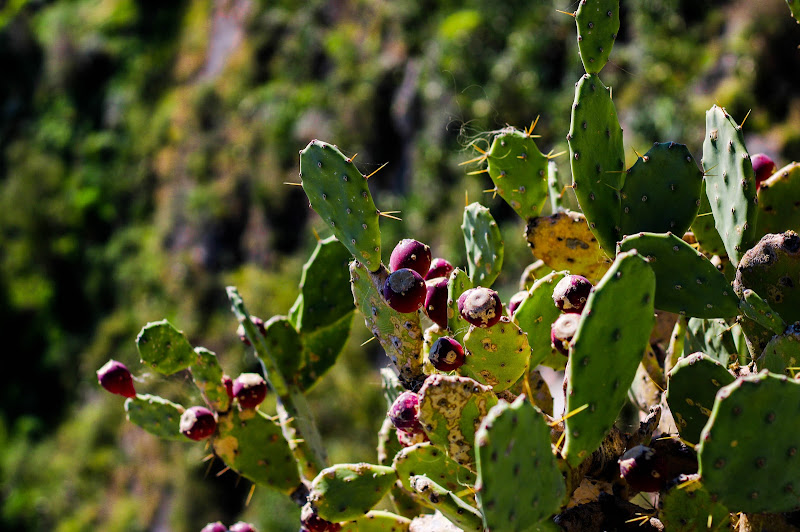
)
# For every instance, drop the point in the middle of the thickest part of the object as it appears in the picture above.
(376, 171)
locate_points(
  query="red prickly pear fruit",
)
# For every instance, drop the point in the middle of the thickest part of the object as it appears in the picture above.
(480, 306)
(116, 378)
(404, 290)
(763, 167)
(516, 300)
(404, 412)
(436, 301)
(198, 423)
(250, 389)
(643, 469)
(241, 526)
(447, 354)
(413, 254)
(439, 268)
(562, 330)
(407, 439)
(215, 527)
(571, 293)
(227, 382)
(312, 522)
(258, 322)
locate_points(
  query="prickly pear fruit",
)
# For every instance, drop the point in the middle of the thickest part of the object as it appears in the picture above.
(571, 293)
(562, 331)
(763, 167)
(447, 354)
(198, 423)
(436, 301)
(480, 306)
(241, 526)
(439, 268)
(404, 412)
(215, 527)
(407, 439)
(412, 254)
(515, 301)
(258, 322)
(115, 378)
(227, 382)
(404, 290)
(643, 469)
(312, 522)
(250, 389)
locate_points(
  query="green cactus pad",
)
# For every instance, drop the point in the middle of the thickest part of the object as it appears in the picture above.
(758, 310)
(513, 446)
(431, 334)
(535, 316)
(461, 514)
(156, 415)
(666, 175)
(321, 348)
(284, 346)
(451, 409)
(388, 446)
(164, 348)
(534, 384)
(607, 348)
(794, 8)
(326, 296)
(429, 460)
(563, 241)
(598, 23)
(692, 386)
(484, 245)
(399, 334)
(457, 284)
(782, 352)
(703, 228)
(749, 452)
(779, 201)
(378, 521)
(348, 491)
(730, 183)
(597, 156)
(252, 444)
(519, 171)
(207, 376)
(686, 281)
(338, 192)
(498, 355)
(691, 509)
(712, 337)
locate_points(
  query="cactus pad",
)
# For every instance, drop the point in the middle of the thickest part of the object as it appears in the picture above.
(377, 521)
(164, 348)
(347, 491)
(794, 7)
(429, 460)
(703, 227)
(484, 245)
(207, 376)
(712, 337)
(598, 23)
(464, 516)
(156, 415)
(323, 286)
(458, 283)
(513, 445)
(691, 509)
(779, 200)
(686, 281)
(758, 310)
(338, 192)
(498, 355)
(606, 352)
(733, 447)
(321, 348)
(782, 352)
(535, 315)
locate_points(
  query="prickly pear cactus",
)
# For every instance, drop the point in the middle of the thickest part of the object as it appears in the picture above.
(156, 415)
(448, 503)
(536, 315)
(782, 353)
(164, 348)
(207, 375)
(598, 24)
(778, 207)
(429, 460)
(690, 508)
(347, 491)
(498, 355)
(484, 245)
(458, 283)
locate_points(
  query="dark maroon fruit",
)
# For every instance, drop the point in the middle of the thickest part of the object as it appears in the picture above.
(643, 469)
(404, 412)
(241, 526)
(312, 522)
(516, 300)
(198, 423)
(116, 378)
(250, 389)
(446, 354)
(404, 290)
(480, 306)
(571, 293)
(258, 322)
(412, 254)
(215, 527)
(763, 167)
(562, 331)
(227, 382)
(407, 439)
(439, 268)
(436, 301)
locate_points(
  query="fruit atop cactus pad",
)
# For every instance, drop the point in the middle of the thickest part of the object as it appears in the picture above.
(198, 423)
(413, 254)
(404, 290)
(436, 301)
(480, 306)
(404, 412)
(516, 300)
(763, 167)
(571, 293)
(439, 268)
(116, 378)
(215, 527)
(312, 522)
(250, 389)
(241, 526)
(447, 354)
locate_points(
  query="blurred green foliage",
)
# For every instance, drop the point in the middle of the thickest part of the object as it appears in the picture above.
(144, 148)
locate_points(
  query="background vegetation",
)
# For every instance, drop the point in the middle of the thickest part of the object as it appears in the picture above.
(143, 151)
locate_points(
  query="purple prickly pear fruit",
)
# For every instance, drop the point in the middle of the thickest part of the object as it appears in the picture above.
(436, 301)
(516, 300)
(404, 290)
(198, 423)
(312, 522)
(447, 354)
(439, 268)
(643, 469)
(407, 439)
(571, 293)
(562, 331)
(480, 306)
(763, 167)
(404, 412)
(116, 378)
(412, 254)
(241, 526)
(250, 389)
(215, 527)
(258, 322)
(227, 382)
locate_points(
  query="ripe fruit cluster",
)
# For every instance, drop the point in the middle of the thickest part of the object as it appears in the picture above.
(569, 295)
